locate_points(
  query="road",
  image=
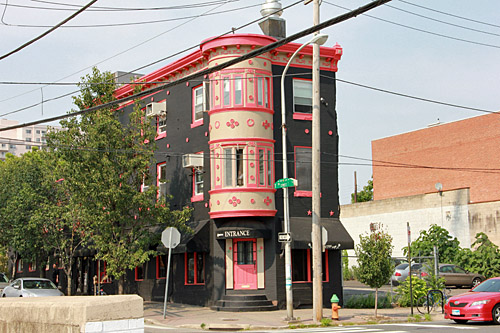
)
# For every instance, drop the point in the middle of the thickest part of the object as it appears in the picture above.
(426, 327)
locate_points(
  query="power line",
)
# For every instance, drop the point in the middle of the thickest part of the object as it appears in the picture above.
(249, 55)
(150, 64)
(140, 22)
(420, 30)
(48, 31)
(452, 15)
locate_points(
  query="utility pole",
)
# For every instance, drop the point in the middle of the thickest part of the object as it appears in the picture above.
(316, 181)
(355, 188)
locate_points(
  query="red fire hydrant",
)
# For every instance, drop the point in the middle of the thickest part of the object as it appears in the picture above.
(335, 307)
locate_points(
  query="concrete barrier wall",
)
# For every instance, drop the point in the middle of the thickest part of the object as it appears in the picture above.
(122, 313)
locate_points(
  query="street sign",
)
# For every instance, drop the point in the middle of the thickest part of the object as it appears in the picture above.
(284, 237)
(285, 182)
(170, 237)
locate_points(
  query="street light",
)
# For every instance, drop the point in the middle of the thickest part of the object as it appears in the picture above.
(319, 39)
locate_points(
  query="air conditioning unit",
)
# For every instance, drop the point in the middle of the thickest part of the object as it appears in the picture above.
(156, 109)
(192, 161)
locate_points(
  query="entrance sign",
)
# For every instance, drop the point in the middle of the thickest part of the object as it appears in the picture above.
(284, 237)
(285, 182)
(170, 237)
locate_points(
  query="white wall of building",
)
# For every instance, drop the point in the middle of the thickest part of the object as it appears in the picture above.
(449, 210)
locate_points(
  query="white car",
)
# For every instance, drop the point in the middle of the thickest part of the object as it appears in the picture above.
(31, 287)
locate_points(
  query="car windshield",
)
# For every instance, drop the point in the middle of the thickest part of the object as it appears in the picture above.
(39, 284)
(488, 286)
(3, 278)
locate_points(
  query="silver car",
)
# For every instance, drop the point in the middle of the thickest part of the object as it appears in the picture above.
(401, 272)
(31, 287)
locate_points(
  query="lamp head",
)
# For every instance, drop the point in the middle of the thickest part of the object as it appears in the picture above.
(319, 39)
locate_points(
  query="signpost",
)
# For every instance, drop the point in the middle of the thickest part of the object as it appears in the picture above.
(170, 237)
(285, 182)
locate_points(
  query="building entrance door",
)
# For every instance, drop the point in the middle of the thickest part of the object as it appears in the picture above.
(245, 263)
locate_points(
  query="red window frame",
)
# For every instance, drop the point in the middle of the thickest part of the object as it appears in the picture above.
(300, 193)
(309, 268)
(195, 268)
(195, 122)
(137, 278)
(103, 274)
(300, 115)
(32, 267)
(158, 259)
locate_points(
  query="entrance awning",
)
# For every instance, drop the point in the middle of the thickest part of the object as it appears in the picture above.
(198, 241)
(338, 237)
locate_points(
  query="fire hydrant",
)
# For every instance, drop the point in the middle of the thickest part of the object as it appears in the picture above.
(335, 307)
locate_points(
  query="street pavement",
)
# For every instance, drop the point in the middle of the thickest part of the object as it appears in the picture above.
(197, 317)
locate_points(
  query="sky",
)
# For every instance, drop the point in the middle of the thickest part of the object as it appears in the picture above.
(442, 50)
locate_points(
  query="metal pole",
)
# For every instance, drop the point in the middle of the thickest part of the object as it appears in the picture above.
(168, 273)
(286, 210)
(316, 188)
(98, 277)
(409, 267)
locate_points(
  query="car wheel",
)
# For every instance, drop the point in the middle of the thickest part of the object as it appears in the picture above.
(4, 295)
(476, 281)
(460, 321)
(496, 314)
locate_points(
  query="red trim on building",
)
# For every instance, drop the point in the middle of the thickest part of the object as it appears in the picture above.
(240, 189)
(242, 213)
(235, 141)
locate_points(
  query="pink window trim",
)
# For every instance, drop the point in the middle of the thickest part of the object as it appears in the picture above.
(17, 266)
(306, 194)
(160, 136)
(199, 122)
(30, 267)
(243, 90)
(195, 269)
(198, 197)
(135, 275)
(158, 277)
(158, 166)
(302, 116)
(243, 212)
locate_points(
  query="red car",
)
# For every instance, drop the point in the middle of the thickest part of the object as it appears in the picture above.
(481, 303)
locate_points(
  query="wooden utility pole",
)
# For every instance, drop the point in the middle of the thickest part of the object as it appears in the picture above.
(316, 181)
(355, 188)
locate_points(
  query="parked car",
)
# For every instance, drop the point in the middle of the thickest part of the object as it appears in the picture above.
(401, 272)
(4, 281)
(481, 303)
(31, 287)
(455, 275)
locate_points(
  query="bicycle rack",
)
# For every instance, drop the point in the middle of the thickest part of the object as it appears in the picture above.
(435, 291)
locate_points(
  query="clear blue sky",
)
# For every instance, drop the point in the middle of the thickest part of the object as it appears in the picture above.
(376, 53)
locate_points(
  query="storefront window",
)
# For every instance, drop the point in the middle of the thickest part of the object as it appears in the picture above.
(195, 268)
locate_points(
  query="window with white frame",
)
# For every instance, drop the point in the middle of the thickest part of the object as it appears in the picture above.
(161, 125)
(161, 175)
(302, 96)
(233, 166)
(198, 181)
(238, 90)
(145, 181)
(198, 103)
(227, 91)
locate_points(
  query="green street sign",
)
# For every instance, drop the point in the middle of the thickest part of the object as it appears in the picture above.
(285, 182)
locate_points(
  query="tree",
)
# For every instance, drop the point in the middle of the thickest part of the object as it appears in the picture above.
(104, 162)
(365, 195)
(375, 266)
(448, 246)
(22, 192)
(485, 259)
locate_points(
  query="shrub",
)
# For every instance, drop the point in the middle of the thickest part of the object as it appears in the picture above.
(419, 289)
(368, 302)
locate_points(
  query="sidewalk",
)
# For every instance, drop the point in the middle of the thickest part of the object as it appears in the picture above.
(196, 317)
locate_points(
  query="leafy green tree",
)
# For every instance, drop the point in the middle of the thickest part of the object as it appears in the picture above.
(104, 162)
(375, 266)
(22, 192)
(448, 246)
(365, 195)
(484, 259)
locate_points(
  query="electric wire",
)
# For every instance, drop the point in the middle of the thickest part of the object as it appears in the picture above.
(452, 15)
(137, 23)
(48, 31)
(418, 29)
(150, 64)
(231, 62)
